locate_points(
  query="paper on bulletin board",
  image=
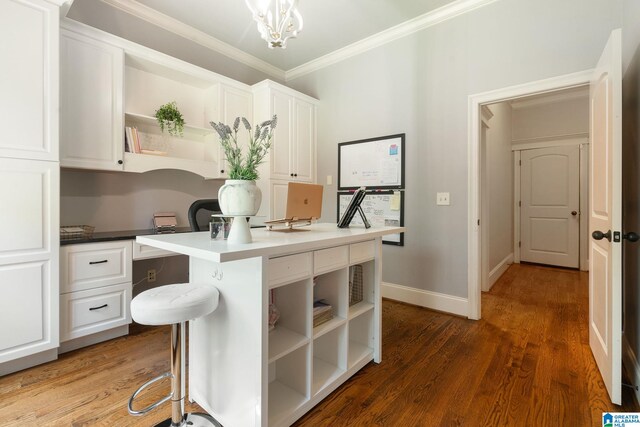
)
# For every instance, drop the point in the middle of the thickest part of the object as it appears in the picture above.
(381, 209)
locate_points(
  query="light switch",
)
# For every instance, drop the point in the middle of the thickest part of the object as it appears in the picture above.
(442, 199)
(329, 180)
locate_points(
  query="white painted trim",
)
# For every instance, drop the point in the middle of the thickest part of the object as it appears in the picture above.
(516, 206)
(64, 8)
(584, 206)
(168, 23)
(552, 141)
(553, 99)
(26, 362)
(499, 270)
(404, 29)
(630, 361)
(473, 182)
(433, 300)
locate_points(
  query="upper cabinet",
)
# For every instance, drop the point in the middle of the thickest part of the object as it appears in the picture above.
(91, 85)
(234, 102)
(29, 83)
(293, 154)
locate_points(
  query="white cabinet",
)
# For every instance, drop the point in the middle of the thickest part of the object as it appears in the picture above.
(293, 152)
(91, 86)
(95, 289)
(29, 183)
(234, 102)
(28, 257)
(29, 80)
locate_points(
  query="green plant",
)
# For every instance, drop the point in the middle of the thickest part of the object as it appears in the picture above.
(170, 117)
(259, 143)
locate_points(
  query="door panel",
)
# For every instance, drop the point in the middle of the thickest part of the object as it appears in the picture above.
(550, 192)
(605, 214)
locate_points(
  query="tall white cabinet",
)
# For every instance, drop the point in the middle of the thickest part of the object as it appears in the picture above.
(293, 153)
(29, 183)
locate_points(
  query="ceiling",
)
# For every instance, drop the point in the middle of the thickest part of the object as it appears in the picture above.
(329, 25)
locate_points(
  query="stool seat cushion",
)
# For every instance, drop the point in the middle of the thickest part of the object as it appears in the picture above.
(176, 303)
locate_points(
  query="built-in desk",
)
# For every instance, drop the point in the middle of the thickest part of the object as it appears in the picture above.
(244, 375)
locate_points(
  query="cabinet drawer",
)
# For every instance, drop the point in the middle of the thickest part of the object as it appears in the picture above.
(330, 259)
(87, 312)
(288, 269)
(92, 265)
(141, 251)
(363, 251)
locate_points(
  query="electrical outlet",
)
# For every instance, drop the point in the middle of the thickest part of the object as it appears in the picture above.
(442, 199)
(329, 180)
(151, 275)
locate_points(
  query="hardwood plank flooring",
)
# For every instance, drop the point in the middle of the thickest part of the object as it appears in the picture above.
(526, 363)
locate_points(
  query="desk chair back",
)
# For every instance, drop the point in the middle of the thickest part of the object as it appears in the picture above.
(200, 213)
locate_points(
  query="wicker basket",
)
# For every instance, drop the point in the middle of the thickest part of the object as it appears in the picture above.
(355, 284)
(70, 232)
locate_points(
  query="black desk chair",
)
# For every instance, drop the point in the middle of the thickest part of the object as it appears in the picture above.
(200, 213)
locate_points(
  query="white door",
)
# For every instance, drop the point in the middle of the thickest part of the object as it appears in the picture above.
(550, 196)
(605, 218)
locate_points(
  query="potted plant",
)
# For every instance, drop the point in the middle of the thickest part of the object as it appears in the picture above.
(240, 195)
(170, 117)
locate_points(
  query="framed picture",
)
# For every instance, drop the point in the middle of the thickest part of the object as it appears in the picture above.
(375, 163)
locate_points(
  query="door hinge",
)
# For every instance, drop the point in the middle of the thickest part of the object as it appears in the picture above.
(478, 222)
(520, 162)
(520, 203)
(519, 244)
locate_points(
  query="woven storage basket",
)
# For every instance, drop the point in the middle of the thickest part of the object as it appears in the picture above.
(355, 284)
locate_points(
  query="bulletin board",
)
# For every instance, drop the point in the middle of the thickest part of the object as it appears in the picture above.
(382, 208)
(376, 163)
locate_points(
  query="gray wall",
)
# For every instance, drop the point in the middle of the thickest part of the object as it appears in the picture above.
(420, 85)
(112, 201)
(500, 184)
(631, 179)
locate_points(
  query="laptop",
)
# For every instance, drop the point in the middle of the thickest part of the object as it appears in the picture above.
(304, 203)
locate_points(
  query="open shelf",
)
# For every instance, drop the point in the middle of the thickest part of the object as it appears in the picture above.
(329, 358)
(319, 331)
(332, 288)
(151, 121)
(288, 386)
(361, 338)
(292, 330)
(359, 308)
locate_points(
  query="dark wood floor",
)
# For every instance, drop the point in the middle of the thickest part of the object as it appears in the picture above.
(527, 362)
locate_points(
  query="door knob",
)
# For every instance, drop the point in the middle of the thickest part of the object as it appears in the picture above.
(599, 235)
(574, 213)
(631, 236)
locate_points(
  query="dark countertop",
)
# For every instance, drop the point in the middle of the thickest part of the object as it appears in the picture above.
(108, 236)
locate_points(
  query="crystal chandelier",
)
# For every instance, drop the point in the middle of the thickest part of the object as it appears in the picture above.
(278, 20)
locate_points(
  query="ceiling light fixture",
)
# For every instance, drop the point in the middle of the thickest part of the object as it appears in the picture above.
(278, 20)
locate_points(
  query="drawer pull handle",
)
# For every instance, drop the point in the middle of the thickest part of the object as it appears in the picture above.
(98, 308)
(98, 262)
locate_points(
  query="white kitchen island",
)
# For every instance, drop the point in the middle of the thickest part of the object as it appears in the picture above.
(245, 375)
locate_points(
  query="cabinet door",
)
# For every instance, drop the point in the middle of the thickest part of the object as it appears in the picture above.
(29, 257)
(278, 202)
(303, 147)
(280, 156)
(234, 103)
(91, 87)
(29, 80)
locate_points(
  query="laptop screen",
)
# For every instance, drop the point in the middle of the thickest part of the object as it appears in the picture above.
(304, 201)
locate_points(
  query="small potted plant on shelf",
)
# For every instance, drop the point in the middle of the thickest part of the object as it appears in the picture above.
(170, 117)
(240, 195)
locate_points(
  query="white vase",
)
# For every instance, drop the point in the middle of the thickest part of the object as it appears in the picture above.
(239, 197)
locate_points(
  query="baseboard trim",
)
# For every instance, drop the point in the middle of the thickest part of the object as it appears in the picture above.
(499, 270)
(433, 300)
(92, 339)
(28, 361)
(631, 362)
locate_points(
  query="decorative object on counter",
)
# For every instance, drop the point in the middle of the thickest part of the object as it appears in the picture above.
(70, 232)
(164, 222)
(239, 230)
(240, 195)
(355, 284)
(278, 20)
(274, 313)
(170, 117)
(219, 228)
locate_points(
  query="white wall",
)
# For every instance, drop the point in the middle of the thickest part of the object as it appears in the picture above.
(499, 158)
(112, 201)
(420, 85)
(551, 119)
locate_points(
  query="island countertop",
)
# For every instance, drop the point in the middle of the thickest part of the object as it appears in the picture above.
(265, 243)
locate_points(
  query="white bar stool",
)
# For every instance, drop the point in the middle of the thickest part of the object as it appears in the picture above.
(174, 305)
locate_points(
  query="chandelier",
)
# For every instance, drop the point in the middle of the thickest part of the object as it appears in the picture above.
(278, 20)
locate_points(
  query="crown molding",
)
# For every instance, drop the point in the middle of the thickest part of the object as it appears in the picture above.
(168, 23)
(404, 29)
